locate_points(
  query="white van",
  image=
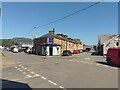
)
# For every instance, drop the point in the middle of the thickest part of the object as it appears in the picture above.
(29, 50)
(15, 50)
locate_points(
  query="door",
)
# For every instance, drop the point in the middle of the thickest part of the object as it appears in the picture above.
(51, 51)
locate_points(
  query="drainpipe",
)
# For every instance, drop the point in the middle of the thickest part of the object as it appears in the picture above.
(66, 45)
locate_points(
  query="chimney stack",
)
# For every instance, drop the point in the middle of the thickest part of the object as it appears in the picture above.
(52, 32)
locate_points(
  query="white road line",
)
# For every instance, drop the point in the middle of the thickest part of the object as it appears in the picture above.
(98, 64)
(105, 66)
(15, 79)
(61, 87)
(18, 68)
(32, 72)
(114, 67)
(25, 68)
(24, 72)
(28, 70)
(43, 77)
(19, 65)
(21, 70)
(37, 75)
(52, 82)
(15, 67)
(29, 76)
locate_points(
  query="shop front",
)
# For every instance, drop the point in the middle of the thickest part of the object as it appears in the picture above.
(51, 50)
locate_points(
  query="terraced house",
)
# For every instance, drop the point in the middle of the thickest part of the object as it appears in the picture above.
(54, 44)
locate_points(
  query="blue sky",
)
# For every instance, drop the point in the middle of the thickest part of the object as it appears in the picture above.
(19, 18)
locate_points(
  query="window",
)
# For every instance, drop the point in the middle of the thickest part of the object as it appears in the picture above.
(117, 43)
(69, 44)
(57, 50)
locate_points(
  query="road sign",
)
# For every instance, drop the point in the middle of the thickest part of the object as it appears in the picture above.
(51, 40)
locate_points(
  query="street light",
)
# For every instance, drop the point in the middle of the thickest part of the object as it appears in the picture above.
(34, 34)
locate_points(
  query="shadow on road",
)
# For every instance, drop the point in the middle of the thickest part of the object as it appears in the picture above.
(105, 63)
(13, 85)
(95, 54)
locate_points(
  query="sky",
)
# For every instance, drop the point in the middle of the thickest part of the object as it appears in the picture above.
(19, 18)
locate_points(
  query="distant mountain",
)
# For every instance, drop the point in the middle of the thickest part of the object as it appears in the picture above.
(9, 42)
(17, 39)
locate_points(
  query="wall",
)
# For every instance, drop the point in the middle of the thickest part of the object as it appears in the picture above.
(111, 44)
(37, 44)
(55, 51)
(64, 45)
(67, 45)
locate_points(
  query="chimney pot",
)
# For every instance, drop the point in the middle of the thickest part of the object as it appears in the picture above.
(52, 32)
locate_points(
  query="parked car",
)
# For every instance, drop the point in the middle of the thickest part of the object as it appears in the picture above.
(67, 53)
(75, 52)
(80, 51)
(113, 56)
(29, 50)
(88, 49)
(15, 50)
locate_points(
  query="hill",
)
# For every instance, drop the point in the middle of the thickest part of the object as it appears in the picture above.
(9, 42)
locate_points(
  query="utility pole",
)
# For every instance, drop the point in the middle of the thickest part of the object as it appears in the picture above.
(34, 34)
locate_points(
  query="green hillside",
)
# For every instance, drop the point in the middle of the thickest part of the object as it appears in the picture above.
(9, 42)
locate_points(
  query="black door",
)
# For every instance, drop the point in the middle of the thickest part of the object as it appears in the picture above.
(51, 51)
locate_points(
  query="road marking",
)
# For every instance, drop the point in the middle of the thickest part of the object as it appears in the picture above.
(24, 72)
(52, 82)
(29, 76)
(28, 70)
(105, 66)
(98, 64)
(15, 79)
(21, 70)
(32, 72)
(18, 68)
(19, 65)
(15, 67)
(43, 77)
(78, 61)
(114, 67)
(61, 87)
(25, 68)
(37, 75)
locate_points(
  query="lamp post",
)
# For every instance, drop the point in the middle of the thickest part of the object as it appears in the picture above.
(34, 34)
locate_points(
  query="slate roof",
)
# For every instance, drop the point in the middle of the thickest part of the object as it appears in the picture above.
(49, 35)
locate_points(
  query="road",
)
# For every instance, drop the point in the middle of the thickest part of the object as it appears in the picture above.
(78, 71)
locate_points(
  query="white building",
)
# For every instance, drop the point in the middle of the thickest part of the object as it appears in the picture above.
(108, 41)
(51, 50)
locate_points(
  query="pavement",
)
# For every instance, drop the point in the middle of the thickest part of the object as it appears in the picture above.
(78, 71)
(6, 61)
